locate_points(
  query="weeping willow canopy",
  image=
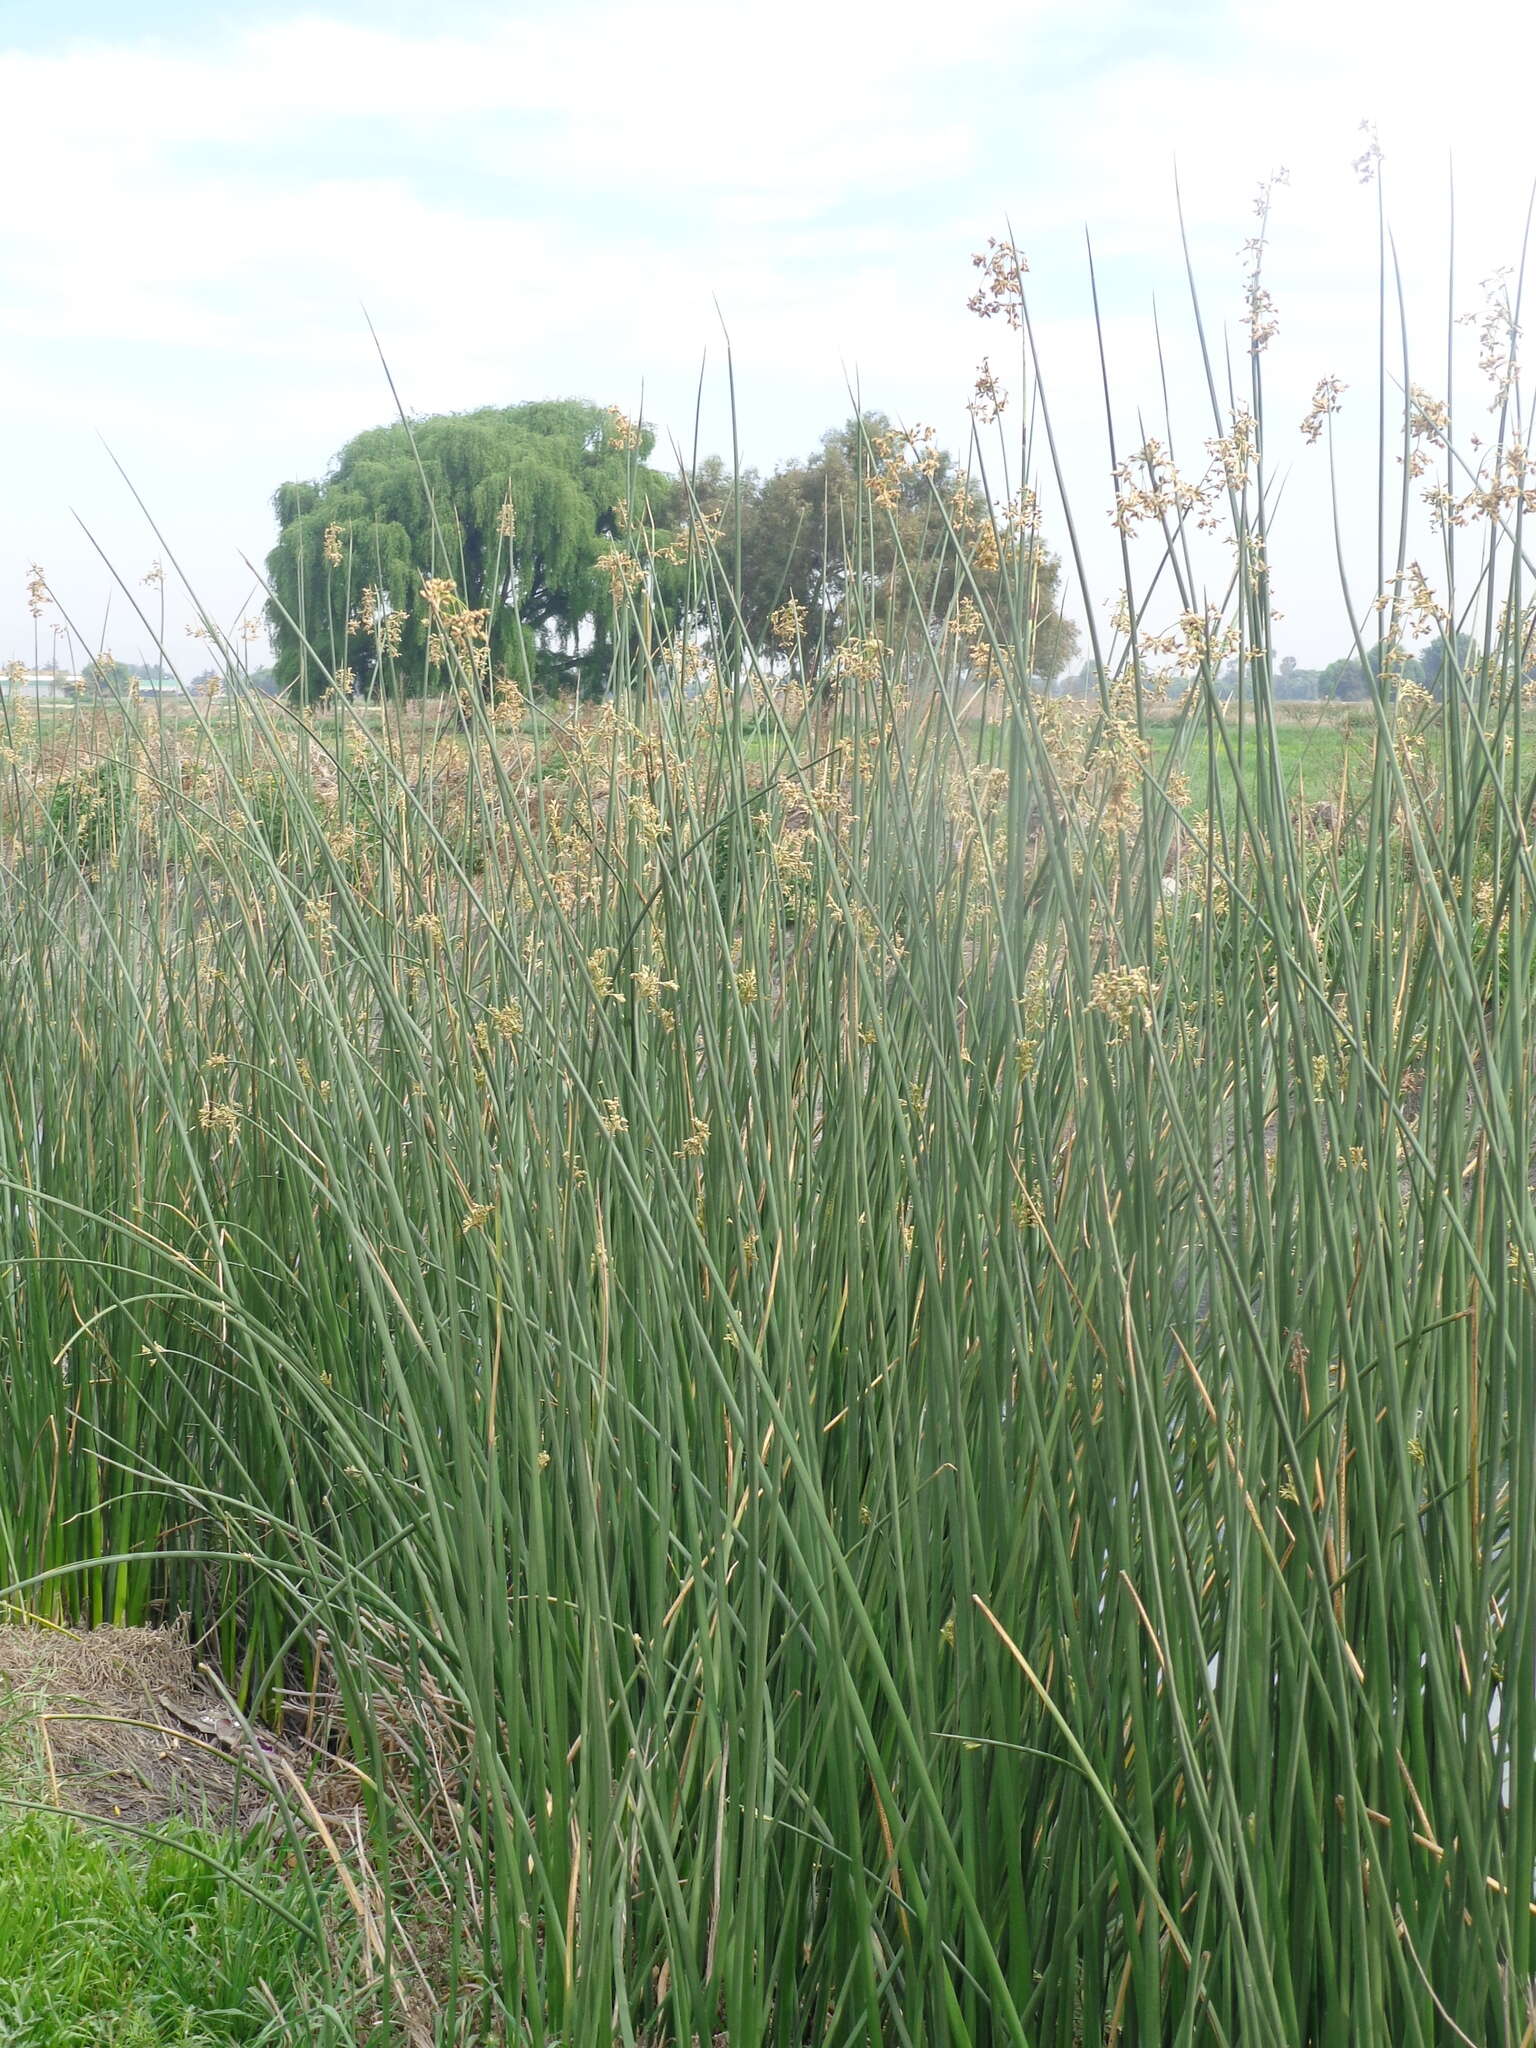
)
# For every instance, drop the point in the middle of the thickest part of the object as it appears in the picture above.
(511, 504)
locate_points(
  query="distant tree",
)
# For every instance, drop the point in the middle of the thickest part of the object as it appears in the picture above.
(1441, 658)
(875, 526)
(465, 546)
(1343, 680)
(1348, 680)
(104, 672)
(712, 490)
(1293, 683)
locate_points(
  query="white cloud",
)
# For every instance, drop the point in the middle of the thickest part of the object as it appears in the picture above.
(560, 200)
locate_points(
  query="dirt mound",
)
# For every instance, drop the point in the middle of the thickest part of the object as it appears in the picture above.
(119, 1723)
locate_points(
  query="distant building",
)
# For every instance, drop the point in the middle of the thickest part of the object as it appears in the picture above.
(43, 682)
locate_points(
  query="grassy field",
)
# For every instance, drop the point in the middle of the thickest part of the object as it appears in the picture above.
(1323, 753)
(869, 1375)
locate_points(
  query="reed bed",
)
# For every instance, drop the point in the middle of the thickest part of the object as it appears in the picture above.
(870, 1363)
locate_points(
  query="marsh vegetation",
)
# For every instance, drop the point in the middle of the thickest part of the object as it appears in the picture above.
(861, 1338)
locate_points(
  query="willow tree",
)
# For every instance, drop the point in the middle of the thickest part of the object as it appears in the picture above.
(456, 549)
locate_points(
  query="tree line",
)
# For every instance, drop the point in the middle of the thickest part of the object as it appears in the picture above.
(1346, 680)
(508, 541)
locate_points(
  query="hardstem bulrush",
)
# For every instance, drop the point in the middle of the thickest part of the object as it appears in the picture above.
(859, 1333)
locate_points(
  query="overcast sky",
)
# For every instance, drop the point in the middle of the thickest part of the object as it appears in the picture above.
(569, 199)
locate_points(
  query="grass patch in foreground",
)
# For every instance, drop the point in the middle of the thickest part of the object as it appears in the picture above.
(145, 1946)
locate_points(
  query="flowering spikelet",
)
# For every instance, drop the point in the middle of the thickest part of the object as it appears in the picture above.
(621, 432)
(859, 660)
(1429, 421)
(697, 1144)
(694, 540)
(1262, 321)
(510, 706)
(649, 986)
(1498, 335)
(1325, 402)
(1368, 162)
(375, 618)
(788, 623)
(600, 970)
(989, 399)
(1001, 291)
(1123, 995)
(623, 571)
(460, 633)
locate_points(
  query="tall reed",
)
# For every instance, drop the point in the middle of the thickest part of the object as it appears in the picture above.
(880, 1358)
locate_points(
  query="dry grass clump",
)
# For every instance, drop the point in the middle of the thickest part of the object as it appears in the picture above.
(118, 1722)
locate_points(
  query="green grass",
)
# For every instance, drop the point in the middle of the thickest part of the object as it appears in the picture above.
(1323, 752)
(122, 1944)
(1324, 758)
